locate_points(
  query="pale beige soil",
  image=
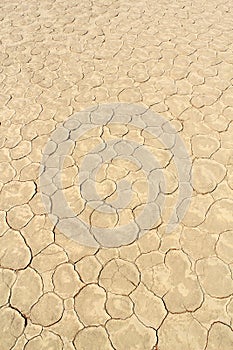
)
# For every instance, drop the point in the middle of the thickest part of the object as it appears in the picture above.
(170, 290)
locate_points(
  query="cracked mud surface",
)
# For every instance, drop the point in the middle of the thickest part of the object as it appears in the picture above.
(163, 291)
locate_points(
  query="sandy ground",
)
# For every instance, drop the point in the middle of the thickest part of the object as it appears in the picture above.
(161, 291)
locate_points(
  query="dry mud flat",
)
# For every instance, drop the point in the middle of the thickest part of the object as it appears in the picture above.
(170, 291)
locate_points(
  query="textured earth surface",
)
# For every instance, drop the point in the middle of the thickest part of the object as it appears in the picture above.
(163, 291)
